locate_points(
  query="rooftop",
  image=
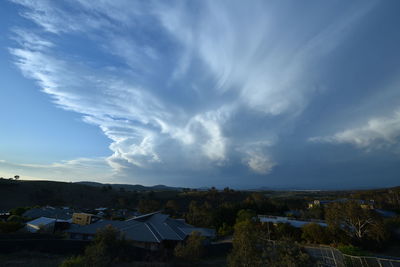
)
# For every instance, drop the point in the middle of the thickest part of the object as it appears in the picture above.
(153, 227)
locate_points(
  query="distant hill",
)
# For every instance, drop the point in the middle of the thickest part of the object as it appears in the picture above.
(133, 187)
(82, 195)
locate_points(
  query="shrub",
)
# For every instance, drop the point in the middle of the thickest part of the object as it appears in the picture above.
(314, 233)
(74, 261)
(192, 250)
(10, 227)
(352, 250)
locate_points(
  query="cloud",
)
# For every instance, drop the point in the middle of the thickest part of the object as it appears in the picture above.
(376, 133)
(80, 169)
(171, 85)
(259, 163)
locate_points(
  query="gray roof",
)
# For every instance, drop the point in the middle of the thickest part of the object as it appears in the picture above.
(153, 227)
(41, 221)
(49, 212)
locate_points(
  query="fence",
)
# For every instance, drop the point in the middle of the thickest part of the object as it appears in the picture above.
(330, 257)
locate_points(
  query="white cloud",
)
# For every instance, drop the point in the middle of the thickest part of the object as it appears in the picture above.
(163, 91)
(258, 161)
(376, 133)
(80, 169)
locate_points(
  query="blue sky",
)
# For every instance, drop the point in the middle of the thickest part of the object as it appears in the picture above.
(282, 94)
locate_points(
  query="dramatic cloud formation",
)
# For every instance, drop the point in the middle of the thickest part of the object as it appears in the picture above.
(196, 88)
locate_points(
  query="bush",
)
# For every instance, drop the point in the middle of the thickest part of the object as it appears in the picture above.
(74, 261)
(192, 250)
(108, 247)
(352, 250)
(19, 211)
(315, 233)
(15, 218)
(10, 227)
(225, 230)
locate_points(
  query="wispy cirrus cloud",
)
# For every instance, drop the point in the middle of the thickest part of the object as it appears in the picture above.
(81, 169)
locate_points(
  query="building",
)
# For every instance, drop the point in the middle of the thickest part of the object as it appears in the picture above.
(47, 225)
(84, 218)
(151, 231)
(292, 222)
(49, 212)
(319, 203)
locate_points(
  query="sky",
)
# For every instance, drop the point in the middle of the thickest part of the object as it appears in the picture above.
(245, 94)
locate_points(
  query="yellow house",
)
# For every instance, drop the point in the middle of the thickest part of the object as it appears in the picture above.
(83, 218)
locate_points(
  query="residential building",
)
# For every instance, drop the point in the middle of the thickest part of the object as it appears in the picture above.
(151, 231)
(84, 218)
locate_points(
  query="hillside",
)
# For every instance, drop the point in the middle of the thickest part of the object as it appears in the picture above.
(132, 187)
(30, 193)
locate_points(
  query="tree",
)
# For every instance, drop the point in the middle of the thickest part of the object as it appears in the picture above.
(314, 233)
(73, 261)
(172, 207)
(246, 245)
(285, 254)
(19, 211)
(148, 205)
(15, 218)
(285, 231)
(109, 246)
(251, 247)
(192, 250)
(201, 215)
(10, 227)
(225, 230)
(16, 177)
(245, 215)
(349, 216)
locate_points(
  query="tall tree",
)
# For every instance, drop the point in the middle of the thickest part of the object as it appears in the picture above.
(192, 250)
(246, 246)
(357, 222)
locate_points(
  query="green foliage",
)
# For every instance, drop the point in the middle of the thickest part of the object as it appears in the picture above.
(200, 215)
(108, 247)
(285, 254)
(285, 231)
(148, 205)
(74, 261)
(245, 215)
(172, 207)
(246, 245)
(192, 250)
(10, 227)
(19, 211)
(315, 233)
(363, 226)
(252, 248)
(352, 250)
(225, 230)
(16, 218)
(314, 213)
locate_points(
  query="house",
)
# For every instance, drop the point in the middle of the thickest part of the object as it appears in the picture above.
(319, 203)
(44, 224)
(49, 212)
(151, 231)
(84, 218)
(293, 222)
(4, 214)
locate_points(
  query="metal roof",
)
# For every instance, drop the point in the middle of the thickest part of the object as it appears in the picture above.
(49, 212)
(41, 221)
(153, 227)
